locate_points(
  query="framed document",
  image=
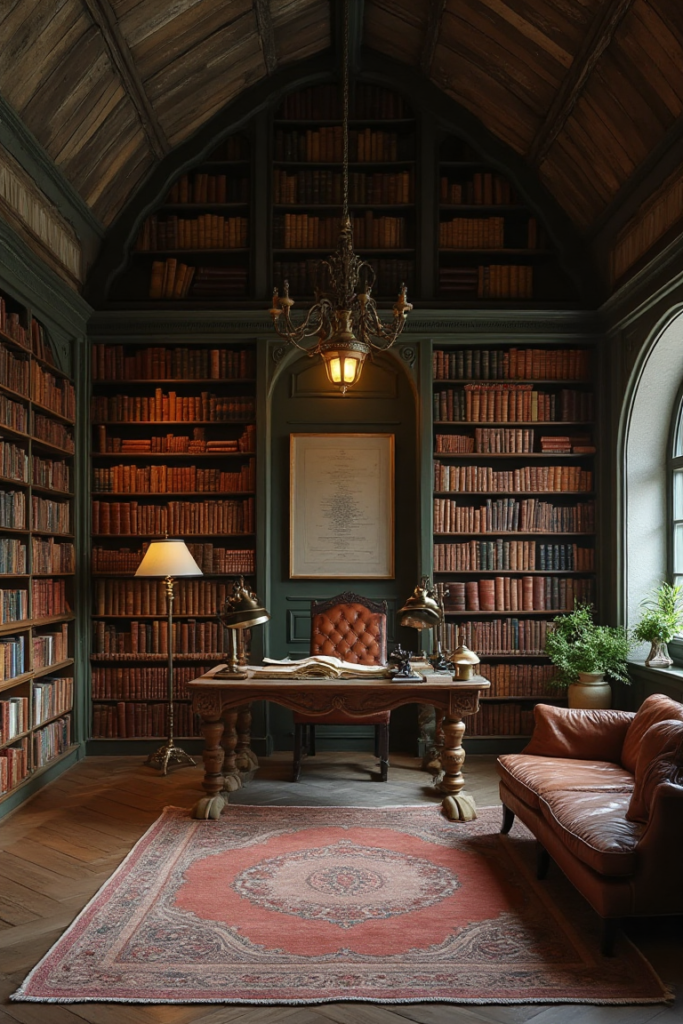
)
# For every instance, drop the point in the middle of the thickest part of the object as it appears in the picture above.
(341, 508)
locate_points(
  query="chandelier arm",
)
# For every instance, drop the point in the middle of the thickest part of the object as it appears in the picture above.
(386, 332)
(315, 320)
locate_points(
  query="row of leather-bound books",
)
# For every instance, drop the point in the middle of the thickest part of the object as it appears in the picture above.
(14, 766)
(148, 682)
(176, 362)
(524, 593)
(512, 556)
(498, 636)
(326, 145)
(193, 636)
(509, 719)
(207, 231)
(222, 516)
(202, 187)
(170, 407)
(172, 479)
(32, 338)
(481, 403)
(46, 515)
(145, 597)
(170, 279)
(520, 680)
(51, 740)
(14, 462)
(488, 440)
(323, 102)
(209, 557)
(511, 364)
(126, 720)
(464, 478)
(308, 231)
(57, 434)
(482, 189)
(48, 598)
(196, 444)
(326, 187)
(50, 648)
(54, 393)
(510, 515)
(46, 556)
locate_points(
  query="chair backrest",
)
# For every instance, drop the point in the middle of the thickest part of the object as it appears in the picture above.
(350, 627)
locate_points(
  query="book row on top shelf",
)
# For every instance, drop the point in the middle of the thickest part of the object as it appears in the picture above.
(511, 561)
(37, 558)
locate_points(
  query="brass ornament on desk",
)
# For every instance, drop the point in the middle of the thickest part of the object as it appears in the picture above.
(421, 611)
(240, 611)
(464, 661)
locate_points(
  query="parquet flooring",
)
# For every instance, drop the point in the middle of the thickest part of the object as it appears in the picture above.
(57, 850)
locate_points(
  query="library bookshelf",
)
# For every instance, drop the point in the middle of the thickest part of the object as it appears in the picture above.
(37, 561)
(173, 454)
(514, 512)
(196, 245)
(307, 186)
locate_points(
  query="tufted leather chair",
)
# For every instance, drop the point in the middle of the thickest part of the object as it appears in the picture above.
(353, 629)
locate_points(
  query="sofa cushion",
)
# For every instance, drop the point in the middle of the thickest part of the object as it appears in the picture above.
(660, 759)
(656, 708)
(579, 733)
(594, 828)
(530, 777)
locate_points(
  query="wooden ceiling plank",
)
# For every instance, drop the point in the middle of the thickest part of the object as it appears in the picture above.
(84, 163)
(48, 45)
(652, 46)
(431, 35)
(186, 35)
(149, 18)
(598, 38)
(568, 192)
(104, 18)
(264, 27)
(498, 65)
(527, 29)
(124, 185)
(312, 35)
(566, 23)
(582, 169)
(616, 92)
(406, 38)
(600, 152)
(108, 169)
(96, 114)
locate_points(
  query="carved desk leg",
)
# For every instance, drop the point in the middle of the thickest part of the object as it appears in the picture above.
(232, 779)
(211, 805)
(245, 758)
(457, 805)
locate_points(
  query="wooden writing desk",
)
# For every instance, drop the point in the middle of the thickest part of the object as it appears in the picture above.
(226, 721)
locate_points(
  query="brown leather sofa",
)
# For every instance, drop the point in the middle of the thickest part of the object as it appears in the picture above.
(602, 791)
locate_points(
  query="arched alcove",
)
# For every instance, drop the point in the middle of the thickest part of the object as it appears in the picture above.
(646, 420)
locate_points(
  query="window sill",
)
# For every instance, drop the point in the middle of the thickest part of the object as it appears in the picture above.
(672, 677)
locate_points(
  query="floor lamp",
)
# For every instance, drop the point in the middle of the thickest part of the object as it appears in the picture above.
(169, 559)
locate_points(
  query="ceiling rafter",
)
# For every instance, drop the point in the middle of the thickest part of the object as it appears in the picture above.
(431, 37)
(106, 21)
(264, 23)
(596, 41)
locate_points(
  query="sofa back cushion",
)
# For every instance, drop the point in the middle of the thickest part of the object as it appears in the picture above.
(586, 735)
(656, 708)
(660, 759)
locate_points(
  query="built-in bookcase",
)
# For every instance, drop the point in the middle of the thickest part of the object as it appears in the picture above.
(173, 454)
(195, 247)
(514, 512)
(307, 186)
(37, 561)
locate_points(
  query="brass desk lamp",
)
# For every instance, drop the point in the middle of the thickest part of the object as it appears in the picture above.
(240, 611)
(421, 611)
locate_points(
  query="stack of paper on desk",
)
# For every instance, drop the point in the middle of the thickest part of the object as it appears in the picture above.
(321, 666)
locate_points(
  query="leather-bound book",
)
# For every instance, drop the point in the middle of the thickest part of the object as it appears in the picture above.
(528, 593)
(539, 593)
(499, 594)
(456, 600)
(472, 593)
(487, 595)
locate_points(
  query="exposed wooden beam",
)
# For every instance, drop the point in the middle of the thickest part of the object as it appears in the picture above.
(431, 38)
(596, 41)
(264, 24)
(105, 19)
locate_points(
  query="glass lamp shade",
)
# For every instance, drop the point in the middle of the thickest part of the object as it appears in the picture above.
(168, 557)
(343, 368)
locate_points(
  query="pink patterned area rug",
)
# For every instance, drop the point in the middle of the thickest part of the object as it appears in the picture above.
(319, 904)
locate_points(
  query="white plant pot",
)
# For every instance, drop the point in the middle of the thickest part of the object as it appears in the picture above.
(590, 691)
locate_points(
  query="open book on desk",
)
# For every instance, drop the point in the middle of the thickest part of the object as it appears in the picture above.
(321, 666)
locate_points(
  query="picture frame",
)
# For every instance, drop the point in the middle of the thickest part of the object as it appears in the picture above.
(341, 508)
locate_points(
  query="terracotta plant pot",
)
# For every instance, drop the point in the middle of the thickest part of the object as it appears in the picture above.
(590, 691)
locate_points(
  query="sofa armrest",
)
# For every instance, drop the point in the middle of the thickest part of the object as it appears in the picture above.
(587, 735)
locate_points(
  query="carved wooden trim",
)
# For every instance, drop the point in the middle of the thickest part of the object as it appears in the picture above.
(348, 597)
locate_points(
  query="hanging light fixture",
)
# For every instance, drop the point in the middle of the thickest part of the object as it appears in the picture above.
(345, 322)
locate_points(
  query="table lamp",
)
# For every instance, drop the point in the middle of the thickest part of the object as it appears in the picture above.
(421, 611)
(240, 611)
(169, 559)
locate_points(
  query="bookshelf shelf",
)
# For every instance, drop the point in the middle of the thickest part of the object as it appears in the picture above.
(129, 612)
(474, 489)
(43, 398)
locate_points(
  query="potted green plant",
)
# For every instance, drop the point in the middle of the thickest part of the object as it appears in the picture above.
(661, 621)
(584, 653)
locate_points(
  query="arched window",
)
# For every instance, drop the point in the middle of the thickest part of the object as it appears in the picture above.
(676, 493)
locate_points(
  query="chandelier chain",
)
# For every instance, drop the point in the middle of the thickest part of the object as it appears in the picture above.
(345, 113)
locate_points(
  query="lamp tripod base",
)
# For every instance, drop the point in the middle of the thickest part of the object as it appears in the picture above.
(169, 756)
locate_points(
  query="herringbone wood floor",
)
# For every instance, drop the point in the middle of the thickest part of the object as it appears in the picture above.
(56, 851)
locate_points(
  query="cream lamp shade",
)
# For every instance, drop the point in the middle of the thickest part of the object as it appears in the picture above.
(168, 557)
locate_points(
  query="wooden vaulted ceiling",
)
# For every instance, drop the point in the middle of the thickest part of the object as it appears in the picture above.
(586, 91)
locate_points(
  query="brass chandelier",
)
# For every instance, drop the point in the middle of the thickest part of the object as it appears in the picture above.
(346, 322)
